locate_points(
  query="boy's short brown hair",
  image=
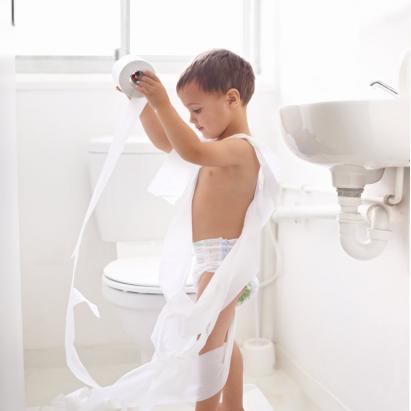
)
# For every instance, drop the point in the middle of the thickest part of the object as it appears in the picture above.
(219, 70)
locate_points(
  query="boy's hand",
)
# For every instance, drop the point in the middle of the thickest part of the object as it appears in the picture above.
(151, 87)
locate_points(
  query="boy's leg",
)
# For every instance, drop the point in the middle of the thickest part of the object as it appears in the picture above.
(233, 389)
(215, 339)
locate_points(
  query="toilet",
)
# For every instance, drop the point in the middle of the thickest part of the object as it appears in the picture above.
(136, 221)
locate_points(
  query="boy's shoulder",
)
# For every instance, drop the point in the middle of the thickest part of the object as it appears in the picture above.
(243, 140)
(229, 151)
(243, 143)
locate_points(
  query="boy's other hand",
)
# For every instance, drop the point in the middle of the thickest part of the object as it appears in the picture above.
(152, 88)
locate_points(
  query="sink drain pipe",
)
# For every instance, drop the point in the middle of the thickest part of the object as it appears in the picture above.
(361, 239)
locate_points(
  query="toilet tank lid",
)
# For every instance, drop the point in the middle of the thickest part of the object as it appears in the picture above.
(134, 144)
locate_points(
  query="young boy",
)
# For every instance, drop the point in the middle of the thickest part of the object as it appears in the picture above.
(216, 89)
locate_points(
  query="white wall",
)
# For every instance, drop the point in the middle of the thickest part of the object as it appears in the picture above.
(345, 321)
(341, 325)
(334, 50)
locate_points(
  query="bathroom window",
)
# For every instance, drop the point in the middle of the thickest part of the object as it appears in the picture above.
(80, 36)
(65, 35)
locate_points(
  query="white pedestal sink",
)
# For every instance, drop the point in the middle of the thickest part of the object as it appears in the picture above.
(357, 140)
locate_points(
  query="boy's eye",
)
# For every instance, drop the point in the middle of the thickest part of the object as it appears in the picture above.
(198, 110)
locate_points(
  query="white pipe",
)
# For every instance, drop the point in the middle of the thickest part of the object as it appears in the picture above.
(352, 224)
(258, 315)
(292, 212)
(278, 257)
(374, 200)
(389, 199)
(269, 281)
(357, 249)
(263, 284)
(394, 199)
(305, 188)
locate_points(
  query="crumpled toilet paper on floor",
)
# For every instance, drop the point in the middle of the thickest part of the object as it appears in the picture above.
(176, 374)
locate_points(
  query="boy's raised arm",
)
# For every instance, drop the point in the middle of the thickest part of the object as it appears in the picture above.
(182, 138)
(154, 129)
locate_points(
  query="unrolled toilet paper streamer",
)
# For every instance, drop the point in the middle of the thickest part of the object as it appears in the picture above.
(177, 373)
(131, 115)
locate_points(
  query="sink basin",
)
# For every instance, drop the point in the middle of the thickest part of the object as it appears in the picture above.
(369, 133)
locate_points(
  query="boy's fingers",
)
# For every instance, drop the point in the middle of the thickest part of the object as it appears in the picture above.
(146, 80)
(144, 90)
(150, 74)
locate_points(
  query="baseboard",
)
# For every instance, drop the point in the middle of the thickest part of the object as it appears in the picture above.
(318, 393)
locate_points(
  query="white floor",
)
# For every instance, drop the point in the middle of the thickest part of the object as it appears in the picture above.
(42, 385)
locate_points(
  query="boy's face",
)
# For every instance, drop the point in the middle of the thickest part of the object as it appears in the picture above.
(209, 112)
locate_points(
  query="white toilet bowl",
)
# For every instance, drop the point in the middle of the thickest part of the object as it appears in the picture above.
(132, 286)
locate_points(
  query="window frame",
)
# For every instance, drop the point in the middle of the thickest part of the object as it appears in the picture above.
(66, 64)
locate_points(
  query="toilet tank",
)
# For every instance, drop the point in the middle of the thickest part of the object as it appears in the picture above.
(126, 212)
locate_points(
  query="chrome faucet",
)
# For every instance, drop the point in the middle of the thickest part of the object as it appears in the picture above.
(385, 87)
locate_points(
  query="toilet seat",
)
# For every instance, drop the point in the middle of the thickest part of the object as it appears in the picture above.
(137, 275)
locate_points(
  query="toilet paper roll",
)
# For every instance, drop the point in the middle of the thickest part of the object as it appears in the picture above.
(122, 70)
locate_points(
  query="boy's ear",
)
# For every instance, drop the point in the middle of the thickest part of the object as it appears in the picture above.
(233, 97)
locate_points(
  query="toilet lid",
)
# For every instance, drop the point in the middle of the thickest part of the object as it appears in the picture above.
(137, 274)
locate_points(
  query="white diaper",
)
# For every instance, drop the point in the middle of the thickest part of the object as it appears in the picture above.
(209, 254)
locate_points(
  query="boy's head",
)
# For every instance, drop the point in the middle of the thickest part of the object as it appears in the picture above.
(216, 89)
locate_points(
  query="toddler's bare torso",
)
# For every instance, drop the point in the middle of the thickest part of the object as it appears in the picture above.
(221, 198)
